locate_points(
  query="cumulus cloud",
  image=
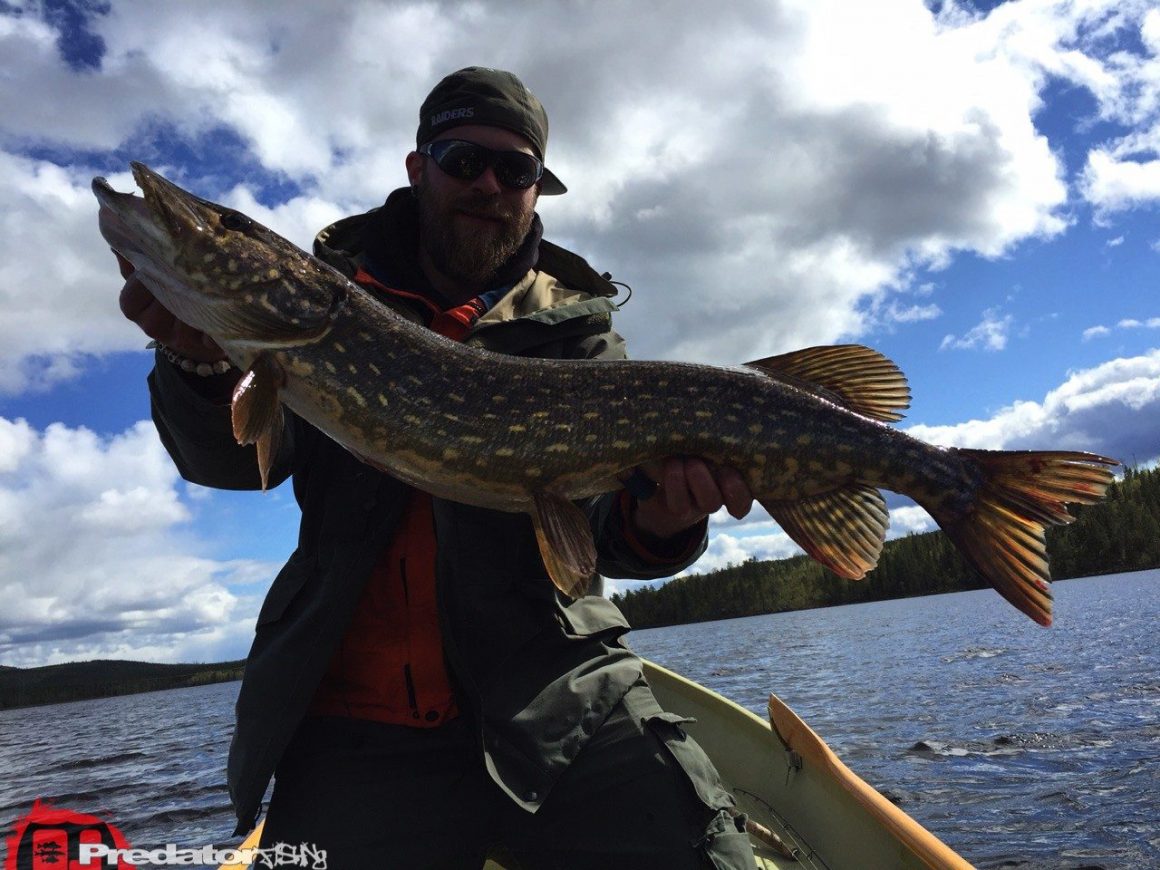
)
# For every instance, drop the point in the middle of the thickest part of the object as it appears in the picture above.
(1112, 408)
(94, 561)
(53, 269)
(774, 199)
(1124, 172)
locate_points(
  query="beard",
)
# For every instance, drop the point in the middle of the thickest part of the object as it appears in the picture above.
(470, 252)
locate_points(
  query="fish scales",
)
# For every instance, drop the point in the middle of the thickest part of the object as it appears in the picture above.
(808, 429)
(558, 423)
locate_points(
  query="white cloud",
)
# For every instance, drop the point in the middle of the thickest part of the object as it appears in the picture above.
(990, 333)
(52, 266)
(761, 199)
(1124, 172)
(731, 549)
(1116, 183)
(94, 561)
(1132, 323)
(1111, 408)
(1127, 323)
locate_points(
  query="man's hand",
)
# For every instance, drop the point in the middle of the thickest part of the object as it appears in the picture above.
(140, 305)
(688, 490)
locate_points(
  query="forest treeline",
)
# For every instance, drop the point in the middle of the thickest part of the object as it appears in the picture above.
(1120, 534)
(76, 681)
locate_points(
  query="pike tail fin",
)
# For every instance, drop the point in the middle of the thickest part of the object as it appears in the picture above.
(1021, 494)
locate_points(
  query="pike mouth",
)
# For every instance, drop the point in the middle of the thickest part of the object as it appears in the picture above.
(150, 225)
(127, 223)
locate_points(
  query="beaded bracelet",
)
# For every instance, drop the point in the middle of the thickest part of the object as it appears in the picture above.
(193, 367)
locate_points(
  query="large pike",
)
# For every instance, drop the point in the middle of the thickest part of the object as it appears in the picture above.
(806, 429)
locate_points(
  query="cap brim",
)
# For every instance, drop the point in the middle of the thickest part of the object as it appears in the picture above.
(550, 185)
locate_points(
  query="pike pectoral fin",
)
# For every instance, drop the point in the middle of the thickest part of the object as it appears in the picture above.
(566, 544)
(857, 377)
(843, 529)
(256, 411)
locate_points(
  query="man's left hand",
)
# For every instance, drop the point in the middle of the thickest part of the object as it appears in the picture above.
(688, 490)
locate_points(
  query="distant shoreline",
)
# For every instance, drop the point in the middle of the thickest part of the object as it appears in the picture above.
(83, 681)
(1120, 535)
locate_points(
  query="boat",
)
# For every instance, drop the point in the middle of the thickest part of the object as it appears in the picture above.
(804, 807)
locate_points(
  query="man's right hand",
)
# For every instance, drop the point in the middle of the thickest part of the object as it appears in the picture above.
(140, 305)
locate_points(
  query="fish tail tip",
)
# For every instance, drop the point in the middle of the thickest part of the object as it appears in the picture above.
(1021, 494)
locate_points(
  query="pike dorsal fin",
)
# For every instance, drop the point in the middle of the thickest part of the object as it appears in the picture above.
(851, 375)
(256, 411)
(566, 544)
(843, 529)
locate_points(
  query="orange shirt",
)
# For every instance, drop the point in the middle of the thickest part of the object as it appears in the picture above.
(389, 665)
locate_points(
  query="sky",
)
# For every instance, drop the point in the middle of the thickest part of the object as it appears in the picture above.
(971, 188)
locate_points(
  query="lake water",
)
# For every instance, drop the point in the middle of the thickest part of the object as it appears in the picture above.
(1016, 745)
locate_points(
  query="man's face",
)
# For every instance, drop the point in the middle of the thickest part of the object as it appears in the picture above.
(471, 228)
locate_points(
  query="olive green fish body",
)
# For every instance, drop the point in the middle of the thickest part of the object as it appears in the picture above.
(491, 429)
(808, 429)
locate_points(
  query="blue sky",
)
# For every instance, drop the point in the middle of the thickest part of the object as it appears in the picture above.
(970, 188)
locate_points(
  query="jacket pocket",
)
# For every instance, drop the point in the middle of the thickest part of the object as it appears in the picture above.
(286, 586)
(723, 842)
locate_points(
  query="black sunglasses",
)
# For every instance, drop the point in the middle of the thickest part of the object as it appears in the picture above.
(467, 161)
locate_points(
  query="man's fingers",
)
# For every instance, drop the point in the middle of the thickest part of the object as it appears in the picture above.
(140, 305)
(734, 491)
(155, 320)
(674, 488)
(193, 343)
(690, 485)
(135, 298)
(704, 493)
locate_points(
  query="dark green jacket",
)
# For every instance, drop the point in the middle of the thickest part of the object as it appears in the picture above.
(535, 673)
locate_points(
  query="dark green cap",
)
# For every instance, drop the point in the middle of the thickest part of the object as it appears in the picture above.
(494, 98)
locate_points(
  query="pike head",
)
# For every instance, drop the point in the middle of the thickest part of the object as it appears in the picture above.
(219, 270)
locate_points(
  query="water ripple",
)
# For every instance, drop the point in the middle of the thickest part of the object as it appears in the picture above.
(1019, 747)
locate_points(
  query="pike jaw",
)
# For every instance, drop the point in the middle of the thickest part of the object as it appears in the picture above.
(219, 270)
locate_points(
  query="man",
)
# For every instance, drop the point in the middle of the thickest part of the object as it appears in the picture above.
(417, 688)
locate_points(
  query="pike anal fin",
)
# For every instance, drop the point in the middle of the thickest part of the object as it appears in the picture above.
(566, 544)
(843, 529)
(256, 412)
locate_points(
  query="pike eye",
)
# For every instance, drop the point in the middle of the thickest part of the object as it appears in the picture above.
(233, 220)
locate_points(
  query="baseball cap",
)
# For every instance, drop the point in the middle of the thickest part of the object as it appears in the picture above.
(494, 98)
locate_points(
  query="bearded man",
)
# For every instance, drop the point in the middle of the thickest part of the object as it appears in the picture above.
(417, 688)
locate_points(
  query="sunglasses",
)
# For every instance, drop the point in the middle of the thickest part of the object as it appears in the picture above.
(467, 161)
